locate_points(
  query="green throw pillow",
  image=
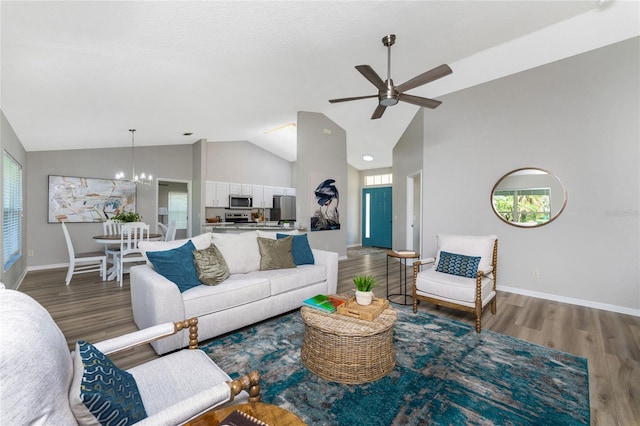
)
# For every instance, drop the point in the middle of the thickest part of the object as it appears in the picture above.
(211, 266)
(275, 254)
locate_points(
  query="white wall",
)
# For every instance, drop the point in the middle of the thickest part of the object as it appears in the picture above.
(577, 118)
(354, 194)
(407, 161)
(244, 162)
(322, 151)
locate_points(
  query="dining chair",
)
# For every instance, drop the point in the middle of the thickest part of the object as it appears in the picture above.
(132, 233)
(171, 231)
(82, 263)
(163, 230)
(111, 227)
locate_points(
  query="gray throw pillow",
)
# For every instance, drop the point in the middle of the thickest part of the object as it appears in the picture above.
(210, 264)
(276, 254)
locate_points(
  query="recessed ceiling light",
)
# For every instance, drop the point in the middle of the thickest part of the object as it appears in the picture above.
(367, 157)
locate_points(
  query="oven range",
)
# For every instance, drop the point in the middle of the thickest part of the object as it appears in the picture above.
(243, 217)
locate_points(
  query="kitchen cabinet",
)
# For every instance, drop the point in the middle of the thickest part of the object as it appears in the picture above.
(263, 196)
(216, 194)
(240, 189)
(284, 191)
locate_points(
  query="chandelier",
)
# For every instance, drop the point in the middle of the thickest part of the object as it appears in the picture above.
(142, 179)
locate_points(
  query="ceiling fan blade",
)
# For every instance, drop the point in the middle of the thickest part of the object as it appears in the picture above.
(417, 100)
(424, 78)
(372, 76)
(378, 112)
(333, 101)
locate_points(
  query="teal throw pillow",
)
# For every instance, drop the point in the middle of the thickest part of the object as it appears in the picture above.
(109, 393)
(302, 254)
(458, 264)
(176, 265)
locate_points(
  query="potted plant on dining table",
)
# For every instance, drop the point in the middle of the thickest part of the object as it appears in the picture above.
(126, 217)
(364, 289)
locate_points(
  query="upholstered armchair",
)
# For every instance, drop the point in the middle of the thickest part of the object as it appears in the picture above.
(461, 276)
(44, 384)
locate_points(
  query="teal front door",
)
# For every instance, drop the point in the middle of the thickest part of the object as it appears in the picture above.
(376, 217)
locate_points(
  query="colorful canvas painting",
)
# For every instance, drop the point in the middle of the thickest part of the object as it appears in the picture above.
(325, 204)
(80, 199)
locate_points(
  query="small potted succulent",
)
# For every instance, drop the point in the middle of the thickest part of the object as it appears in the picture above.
(364, 286)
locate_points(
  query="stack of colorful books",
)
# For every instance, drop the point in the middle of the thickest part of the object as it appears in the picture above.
(323, 302)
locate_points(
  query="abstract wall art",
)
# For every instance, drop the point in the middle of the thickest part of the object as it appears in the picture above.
(81, 199)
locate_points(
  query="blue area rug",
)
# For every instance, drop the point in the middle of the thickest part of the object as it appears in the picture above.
(445, 374)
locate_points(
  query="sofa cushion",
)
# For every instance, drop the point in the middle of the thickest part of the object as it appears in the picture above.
(237, 290)
(211, 267)
(276, 254)
(301, 250)
(284, 280)
(240, 251)
(200, 242)
(101, 393)
(458, 264)
(274, 234)
(176, 265)
(452, 287)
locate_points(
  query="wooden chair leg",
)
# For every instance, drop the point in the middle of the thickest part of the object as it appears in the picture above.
(250, 383)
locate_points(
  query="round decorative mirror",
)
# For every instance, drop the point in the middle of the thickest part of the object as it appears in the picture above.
(528, 197)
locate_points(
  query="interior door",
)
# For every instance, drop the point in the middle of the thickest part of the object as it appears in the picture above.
(377, 217)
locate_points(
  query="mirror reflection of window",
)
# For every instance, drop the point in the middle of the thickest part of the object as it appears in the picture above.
(526, 206)
(528, 197)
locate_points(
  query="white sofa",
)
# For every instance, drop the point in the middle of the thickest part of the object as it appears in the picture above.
(248, 296)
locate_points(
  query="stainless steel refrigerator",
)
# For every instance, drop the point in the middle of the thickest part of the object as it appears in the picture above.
(284, 208)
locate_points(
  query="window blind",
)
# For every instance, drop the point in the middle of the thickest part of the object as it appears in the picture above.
(12, 206)
(178, 209)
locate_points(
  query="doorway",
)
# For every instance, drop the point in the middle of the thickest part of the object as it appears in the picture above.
(174, 203)
(377, 217)
(414, 212)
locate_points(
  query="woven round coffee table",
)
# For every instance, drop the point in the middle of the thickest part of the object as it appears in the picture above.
(348, 350)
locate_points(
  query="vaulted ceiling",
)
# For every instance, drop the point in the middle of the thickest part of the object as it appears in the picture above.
(79, 74)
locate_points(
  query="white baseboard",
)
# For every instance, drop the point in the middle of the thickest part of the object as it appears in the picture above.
(572, 301)
(52, 266)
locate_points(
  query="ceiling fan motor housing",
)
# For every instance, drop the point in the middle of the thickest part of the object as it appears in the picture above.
(390, 96)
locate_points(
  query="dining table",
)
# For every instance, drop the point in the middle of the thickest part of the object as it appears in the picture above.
(113, 240)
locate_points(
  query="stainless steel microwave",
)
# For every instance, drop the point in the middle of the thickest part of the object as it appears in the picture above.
(240, 201)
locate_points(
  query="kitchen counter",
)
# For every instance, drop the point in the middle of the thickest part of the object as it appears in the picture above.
(228, 227)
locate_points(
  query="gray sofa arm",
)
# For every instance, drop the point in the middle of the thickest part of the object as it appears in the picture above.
(156, 300)
(330, 260)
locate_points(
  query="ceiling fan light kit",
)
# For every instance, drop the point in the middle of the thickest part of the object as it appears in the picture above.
(390, 94)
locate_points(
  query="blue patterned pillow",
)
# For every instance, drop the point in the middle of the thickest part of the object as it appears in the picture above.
(109, 393)
(177, 265)
(302, 254)
(458, 264)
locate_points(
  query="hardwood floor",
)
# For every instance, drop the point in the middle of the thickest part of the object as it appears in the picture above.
(93, 311)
